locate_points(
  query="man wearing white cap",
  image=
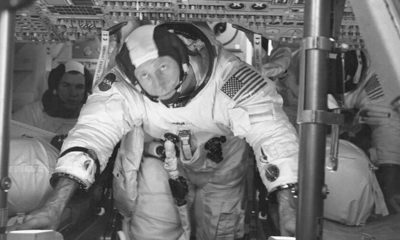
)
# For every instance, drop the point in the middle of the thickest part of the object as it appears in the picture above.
(177, 83)
(58, 110)
(32, 159)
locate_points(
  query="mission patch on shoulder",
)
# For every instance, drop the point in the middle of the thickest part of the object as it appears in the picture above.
(244, 82)
(271, 172)
(108, 80)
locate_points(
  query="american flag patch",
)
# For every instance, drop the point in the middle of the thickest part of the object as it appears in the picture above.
(374, 88)
(243, 84)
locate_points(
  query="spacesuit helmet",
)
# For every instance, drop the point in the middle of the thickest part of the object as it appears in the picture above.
(150, 42)
(56, 100)
(356, 63)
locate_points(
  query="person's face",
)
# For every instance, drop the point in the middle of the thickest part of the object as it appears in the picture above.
(71, 90)
(159, 77)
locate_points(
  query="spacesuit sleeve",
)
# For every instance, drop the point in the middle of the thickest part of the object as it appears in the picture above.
(104, 119)
(257, 116)
(277, 63)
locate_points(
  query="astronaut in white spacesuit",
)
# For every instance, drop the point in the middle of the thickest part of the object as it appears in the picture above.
(33, 152)
(190, 93)
(69, 85)
(373, 107)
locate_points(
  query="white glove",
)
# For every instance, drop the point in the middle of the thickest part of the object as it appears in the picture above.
(171, 162)
(374, 114)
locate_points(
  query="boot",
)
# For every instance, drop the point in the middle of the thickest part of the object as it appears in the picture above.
(388, 176)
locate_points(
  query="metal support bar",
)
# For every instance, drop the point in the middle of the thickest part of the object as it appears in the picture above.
(318, 116)
(7, 25)
(257, 45)
(313, 100)
(338, 10)
(317, 42)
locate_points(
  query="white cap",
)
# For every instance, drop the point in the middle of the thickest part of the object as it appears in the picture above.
(74, 66)
(141, 45)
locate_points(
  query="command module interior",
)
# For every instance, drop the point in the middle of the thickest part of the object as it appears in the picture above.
(200, 119)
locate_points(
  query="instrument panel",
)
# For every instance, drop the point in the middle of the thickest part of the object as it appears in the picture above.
(71, 20)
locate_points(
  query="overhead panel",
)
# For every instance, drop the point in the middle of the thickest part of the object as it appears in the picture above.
(280, 20)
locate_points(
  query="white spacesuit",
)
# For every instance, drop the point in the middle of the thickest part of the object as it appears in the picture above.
(369, 96)
(34, 115)
(232, 105)
(354, 193)
(375, 110)
(58, 109)
(32, 161)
